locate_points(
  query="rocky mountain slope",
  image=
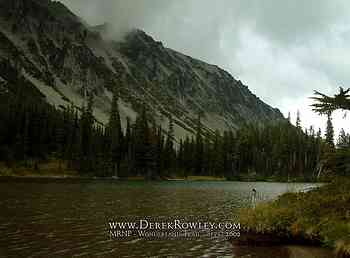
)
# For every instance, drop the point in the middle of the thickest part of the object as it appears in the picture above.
(62, 57)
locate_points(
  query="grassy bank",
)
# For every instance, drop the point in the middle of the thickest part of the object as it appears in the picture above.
(53, 168)
(59, 169)
(321, 215)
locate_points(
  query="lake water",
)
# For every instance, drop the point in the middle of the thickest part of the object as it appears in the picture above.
(70, 218)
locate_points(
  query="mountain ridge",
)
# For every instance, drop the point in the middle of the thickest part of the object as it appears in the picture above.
(62, 57)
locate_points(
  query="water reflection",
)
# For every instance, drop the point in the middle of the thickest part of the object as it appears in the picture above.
(65, 218)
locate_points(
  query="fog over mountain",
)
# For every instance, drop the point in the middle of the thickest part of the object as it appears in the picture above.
(282, 49)
(62, 59)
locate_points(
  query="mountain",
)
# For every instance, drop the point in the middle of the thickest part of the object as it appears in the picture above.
(60, 57)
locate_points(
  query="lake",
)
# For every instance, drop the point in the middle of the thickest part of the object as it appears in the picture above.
(70, 217)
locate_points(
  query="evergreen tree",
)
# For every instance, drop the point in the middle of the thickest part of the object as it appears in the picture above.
(343, 140)
(336, 160)
(115, 136)
(325, 104)
(289, 119)
(298, 120)
(218, 166)
(70, 147)
(86, 134)
(129, 144)
(159, 152)
(199, 148)
(169, 152)
(144, 151)
(188, 156)
(60, 139)
(330, 132)
(35, 130)
(180, 158)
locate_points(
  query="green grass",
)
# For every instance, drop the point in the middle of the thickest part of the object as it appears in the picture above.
(321, 215)
(51, 168)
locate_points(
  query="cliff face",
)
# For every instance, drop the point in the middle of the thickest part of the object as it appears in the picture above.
(61, 56)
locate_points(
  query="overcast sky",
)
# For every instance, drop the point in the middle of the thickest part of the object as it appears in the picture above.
(281, 49)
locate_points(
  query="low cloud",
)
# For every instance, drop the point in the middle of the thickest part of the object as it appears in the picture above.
(282, 50)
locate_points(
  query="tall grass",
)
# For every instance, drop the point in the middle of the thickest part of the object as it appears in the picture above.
(322, 214)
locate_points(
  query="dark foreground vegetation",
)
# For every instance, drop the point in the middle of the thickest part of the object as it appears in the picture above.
(33, 133)
(320, 216)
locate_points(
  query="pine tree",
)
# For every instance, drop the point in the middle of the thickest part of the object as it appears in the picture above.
(298, 120)
(207, 157)
(343, 140)
(144, 150)
(26, 137)
(86, 134)
(129, 144)
(199, 148)
(319, 134)
(289, 119)
(36, 134)
(218, 166)
(329, 132)
(188, 154)
(71, 134)
(60, 139)
(326, 104)
(180, 158)
(115, 135)
(169, 152)
(159, 152)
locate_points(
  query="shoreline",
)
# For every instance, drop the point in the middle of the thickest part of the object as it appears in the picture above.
(140, 178)
(58, 169)
(247, 241)
(316, 218)
(133, 178)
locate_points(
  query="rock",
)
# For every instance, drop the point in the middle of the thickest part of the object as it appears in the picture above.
(67, 57)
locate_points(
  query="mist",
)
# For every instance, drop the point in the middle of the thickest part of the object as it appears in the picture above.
(283, 50)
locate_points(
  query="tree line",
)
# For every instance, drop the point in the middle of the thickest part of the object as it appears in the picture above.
(33, 131)
(336, 160)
